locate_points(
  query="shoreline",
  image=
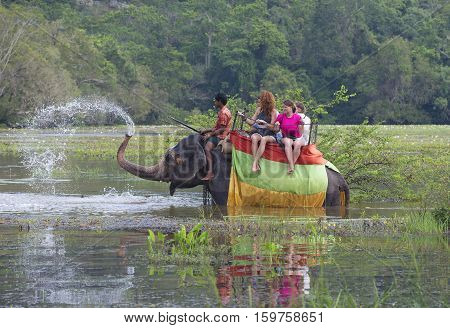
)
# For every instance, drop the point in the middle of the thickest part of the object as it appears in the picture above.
(362, 227)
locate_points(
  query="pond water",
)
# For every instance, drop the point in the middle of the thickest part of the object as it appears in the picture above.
(47, 268)
(78, 238)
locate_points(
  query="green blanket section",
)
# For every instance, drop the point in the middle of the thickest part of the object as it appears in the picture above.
(305, 180)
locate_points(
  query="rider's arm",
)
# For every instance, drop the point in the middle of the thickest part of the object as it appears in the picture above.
(274, 117)
(204, 131)
(274, 127)
(218, 131)
(301, 126)
(274, 124)
(252, 120)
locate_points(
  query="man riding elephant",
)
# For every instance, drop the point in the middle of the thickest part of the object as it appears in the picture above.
(218, 132)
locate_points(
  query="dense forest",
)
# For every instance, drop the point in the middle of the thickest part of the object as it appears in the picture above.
(158, 57)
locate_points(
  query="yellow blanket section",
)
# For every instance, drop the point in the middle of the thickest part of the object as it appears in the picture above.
(241, 193)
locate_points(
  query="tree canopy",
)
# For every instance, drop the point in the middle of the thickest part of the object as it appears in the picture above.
(158, 57)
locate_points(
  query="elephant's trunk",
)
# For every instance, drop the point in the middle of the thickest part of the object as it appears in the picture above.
(154, 173)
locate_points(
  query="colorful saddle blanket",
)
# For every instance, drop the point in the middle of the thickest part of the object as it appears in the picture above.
(272, 186)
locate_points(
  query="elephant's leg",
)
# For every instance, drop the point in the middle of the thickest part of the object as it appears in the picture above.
(345, 188)
(218, 186)
(336, 184)
(332, 196)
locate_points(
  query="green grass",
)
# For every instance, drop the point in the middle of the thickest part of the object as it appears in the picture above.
(378, 261)
(142, 147)
(423, 222)
(419, 222)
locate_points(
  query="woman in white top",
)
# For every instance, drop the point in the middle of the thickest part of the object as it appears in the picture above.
(306, 120)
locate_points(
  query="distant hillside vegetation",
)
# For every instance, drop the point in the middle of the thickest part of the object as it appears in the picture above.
(155, 57)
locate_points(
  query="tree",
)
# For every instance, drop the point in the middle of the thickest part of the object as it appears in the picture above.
(32, 75)
(278, 79)
(152, 56)
(11, 29)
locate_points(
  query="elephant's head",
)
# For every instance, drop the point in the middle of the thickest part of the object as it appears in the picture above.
(183, 165)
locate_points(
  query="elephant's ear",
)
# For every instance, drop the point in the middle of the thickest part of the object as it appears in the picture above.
(194, 152)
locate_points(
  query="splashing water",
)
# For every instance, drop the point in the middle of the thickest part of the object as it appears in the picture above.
(42, 156)
(113, 192)
(80, 111)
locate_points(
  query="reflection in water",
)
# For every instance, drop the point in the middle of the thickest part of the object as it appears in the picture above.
(51, 268)
(66, 268)
(276, 212)
(267, 277)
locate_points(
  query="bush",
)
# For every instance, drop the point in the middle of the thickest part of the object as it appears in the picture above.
(441, 216)
(360, 153)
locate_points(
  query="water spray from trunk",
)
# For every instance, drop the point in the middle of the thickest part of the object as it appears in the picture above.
(42, 155)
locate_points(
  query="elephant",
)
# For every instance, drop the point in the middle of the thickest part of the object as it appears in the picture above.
(184, 166)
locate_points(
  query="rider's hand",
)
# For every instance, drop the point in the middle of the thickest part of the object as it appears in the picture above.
(276, 126)
(261, 123)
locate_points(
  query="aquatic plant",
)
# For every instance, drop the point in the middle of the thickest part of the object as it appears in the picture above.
(182, 247)
(272, 248)
(322, 297)
(155, 242)
(190, 243)
(408, 287)
(321, 239)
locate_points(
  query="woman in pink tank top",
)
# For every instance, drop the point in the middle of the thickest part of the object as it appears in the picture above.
(291, 126)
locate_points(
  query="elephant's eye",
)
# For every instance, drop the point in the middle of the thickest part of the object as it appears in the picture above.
(168, 157)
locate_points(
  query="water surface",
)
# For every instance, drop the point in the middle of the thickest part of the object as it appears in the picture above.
(73, 239)
(49, 268)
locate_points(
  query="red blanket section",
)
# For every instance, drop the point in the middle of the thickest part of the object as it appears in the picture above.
(308, 156)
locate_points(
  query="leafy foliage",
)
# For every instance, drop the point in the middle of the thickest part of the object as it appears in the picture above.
(442, 216)
(159, 57)
(189, 243)
(184, 246)
(361, 155)
(378, 163)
